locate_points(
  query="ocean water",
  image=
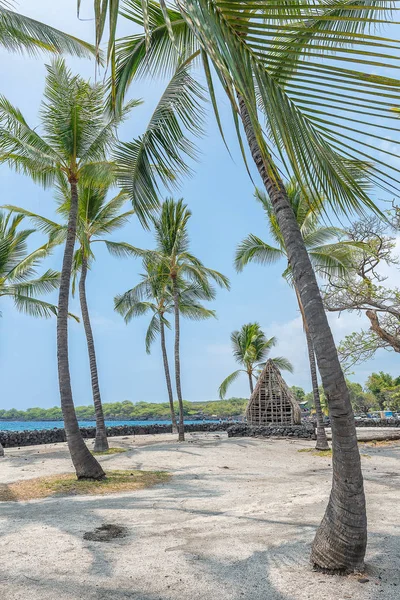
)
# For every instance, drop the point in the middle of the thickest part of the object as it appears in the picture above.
(33, 425)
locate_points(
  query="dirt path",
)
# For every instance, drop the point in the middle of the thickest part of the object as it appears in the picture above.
(234, 523)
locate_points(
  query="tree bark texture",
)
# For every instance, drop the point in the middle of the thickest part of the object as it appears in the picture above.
(251, 383)
(101, 442)
(168, 377)
(181, 427)
(322, 440)
(341, 539)
(86, 466)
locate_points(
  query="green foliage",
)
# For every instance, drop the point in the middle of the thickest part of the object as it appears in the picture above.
(385, 389)
(299, 393)
(127, 410)
(18, 269)
(250, 349)
(18, 33)
(329, 254)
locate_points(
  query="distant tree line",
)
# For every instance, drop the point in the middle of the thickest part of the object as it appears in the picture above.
(380, 392)
(127, 410)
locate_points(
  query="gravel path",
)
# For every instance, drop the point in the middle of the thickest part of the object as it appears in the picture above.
(234, 523)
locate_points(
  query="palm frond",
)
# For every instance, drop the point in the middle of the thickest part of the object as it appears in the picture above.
(223, 388)
(152, 332)
(283, 363)
(163, 149)
(18, 32)
(253, 249)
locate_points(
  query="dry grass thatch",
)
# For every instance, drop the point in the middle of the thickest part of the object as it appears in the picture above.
(67, 484)
(272, 402)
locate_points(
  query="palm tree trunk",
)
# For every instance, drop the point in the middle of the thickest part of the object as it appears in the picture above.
(101, 442)
(168, 377)
(322, 440)
(86, 466)
(250, 383)
(1, 451)
(341, 539)
(181, 428)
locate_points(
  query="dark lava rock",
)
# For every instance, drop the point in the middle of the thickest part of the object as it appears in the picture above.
(106, 533)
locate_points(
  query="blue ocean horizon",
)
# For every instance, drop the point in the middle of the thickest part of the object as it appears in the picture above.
(35, 425)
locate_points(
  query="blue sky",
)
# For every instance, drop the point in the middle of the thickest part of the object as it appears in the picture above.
(220, 195)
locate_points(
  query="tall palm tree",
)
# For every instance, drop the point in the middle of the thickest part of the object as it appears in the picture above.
(173, 256)
(20, 33)
(78, 134)
(251, 348)
(96, 218)
(18, 279)
(268, 60)
(154, 294)
(328, 254)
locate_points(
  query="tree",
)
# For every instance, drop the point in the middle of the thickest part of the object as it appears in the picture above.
(18, 270)
(329, 256)
(154, 294)
(268, 61)
(96, 218)
(79, 134)
(250, 349)
(363, 290)
(173, 257)
(380, 385)
(360, 401)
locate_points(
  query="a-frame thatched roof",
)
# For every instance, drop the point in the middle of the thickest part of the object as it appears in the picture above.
(272, 402)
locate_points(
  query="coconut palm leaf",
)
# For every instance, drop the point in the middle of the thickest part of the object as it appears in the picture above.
(18, 32)
(223, 388)
(253, 249)
(150, 159)
(309, 104)
(152, 332)
(283, 363)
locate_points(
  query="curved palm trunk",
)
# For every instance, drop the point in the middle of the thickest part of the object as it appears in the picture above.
(322, 440)
(341, 539)
(101, 442)
(1, 451)
(168, 377)
(86, 466)
(181, 428)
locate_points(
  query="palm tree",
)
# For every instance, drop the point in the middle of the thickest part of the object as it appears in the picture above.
(19, 33)
(329, 256)
(251, 348)
(96, 218)
(173, 257)
(77, 135)
(18, 279)
(153, 294)
(268, 61)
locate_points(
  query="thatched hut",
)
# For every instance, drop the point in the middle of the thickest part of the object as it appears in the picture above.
(272, 402)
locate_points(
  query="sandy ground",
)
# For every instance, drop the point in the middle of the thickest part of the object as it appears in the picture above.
(235, 522)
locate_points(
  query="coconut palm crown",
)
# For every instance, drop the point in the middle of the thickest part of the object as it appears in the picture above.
(329, 253)
(18, 269)
(250, 349)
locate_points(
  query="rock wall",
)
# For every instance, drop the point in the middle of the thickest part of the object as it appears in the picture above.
(380, 423)
(12, 439)
(305, 431)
